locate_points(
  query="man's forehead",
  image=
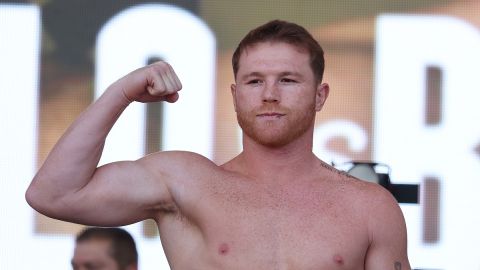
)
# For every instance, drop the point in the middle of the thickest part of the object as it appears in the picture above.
(271, 58)
(97, 244)
(256, 45)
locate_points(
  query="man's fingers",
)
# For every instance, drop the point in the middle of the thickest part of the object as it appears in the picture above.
(168, 80)
(157, 87)
(162, 86)
(175, 79)
(172, 97)
(164, 81)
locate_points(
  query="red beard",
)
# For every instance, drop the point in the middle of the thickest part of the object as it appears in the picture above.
(278, 132)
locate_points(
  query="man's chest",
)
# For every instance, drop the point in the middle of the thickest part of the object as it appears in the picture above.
(284, 231)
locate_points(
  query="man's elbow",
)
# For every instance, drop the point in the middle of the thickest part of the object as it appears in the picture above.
(42, 202)
(34, 198)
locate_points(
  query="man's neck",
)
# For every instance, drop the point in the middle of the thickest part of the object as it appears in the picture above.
(276, 163)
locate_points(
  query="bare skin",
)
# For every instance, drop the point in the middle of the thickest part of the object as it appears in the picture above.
(274, 206)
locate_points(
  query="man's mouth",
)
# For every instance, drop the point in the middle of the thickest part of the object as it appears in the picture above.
(270, 115)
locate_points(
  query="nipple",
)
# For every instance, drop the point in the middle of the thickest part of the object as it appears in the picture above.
(338, 259)
(223, 249)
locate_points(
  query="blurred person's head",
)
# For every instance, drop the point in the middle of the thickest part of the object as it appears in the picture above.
(104, 249)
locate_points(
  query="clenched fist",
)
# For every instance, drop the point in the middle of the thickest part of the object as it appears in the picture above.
(155, 82)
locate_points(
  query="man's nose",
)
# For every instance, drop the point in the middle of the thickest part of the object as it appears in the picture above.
(271, 93)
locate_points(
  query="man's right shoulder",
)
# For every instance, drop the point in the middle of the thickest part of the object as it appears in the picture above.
(180, 157)
(180, 163)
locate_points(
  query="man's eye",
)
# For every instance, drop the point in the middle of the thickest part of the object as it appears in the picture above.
(288, 80)
(254, 82)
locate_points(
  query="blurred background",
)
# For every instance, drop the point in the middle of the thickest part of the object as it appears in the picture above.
(404, 92)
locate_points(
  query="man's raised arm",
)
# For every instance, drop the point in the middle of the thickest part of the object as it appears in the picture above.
(70, 187)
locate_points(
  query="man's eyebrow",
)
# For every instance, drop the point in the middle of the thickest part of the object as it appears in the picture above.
(251, 74)
(259, 74)
(291, 73)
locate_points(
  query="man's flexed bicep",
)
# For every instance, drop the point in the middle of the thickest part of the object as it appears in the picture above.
(119, 193)
(162, 183)
(70, 169)
(126, 192)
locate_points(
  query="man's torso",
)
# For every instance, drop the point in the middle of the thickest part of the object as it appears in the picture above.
(239, 223)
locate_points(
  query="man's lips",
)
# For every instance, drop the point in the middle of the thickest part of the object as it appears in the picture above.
(270, 115)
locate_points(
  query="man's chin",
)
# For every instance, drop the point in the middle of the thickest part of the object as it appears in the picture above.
(272, 140)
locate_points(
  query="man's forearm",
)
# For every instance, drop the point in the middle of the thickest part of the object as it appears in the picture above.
(74, 159)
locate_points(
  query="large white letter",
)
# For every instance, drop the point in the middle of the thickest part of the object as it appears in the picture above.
(20, 31)
(415, 149)
(126, 42)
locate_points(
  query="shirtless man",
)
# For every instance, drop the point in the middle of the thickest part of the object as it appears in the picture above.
(274, 206)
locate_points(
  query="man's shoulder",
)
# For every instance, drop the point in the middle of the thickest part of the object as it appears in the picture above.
(178, 158)
(181, 165)
(372, 194)
(377, 203)
(354, 184)
(360, 192)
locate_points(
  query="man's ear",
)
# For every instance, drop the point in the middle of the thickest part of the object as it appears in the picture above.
(321, 96)
(233, 89)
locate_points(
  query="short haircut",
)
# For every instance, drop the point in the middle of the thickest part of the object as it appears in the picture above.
(122, 245)
(287, 32)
